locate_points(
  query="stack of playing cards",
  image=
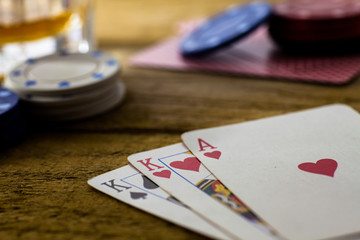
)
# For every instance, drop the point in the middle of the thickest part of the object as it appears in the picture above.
(294, 176)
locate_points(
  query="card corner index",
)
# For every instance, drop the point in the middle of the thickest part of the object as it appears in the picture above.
(189, 133)
(93, 181)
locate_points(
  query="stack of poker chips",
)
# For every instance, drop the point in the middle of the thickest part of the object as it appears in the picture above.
(12, 126)
(68, 86)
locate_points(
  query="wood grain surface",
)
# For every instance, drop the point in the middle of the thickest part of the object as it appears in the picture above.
(43, 181)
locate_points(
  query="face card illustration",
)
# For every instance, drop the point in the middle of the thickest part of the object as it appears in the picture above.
(130, 186)
(299, 171)
(177, 171)
(186, 165)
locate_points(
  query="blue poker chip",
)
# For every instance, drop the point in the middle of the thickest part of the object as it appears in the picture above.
(12, 126)
(12, 131)
(225, 28)
(8, 103)
(11, 120)
(13, 134)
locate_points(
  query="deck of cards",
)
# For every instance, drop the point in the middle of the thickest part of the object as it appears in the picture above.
(293, 176)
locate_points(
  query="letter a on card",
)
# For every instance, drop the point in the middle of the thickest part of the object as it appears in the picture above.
(203, 145)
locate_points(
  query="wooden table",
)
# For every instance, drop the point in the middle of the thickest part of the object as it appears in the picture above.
(43, 181)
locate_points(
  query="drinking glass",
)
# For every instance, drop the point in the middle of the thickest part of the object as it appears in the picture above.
(34, 28)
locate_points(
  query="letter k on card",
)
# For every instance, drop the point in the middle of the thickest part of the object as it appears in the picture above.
(151, 167)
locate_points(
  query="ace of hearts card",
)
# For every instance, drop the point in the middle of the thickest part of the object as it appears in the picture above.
(300, 172)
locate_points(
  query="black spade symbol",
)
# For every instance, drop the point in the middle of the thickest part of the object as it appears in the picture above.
(138, 195)
(148, 184)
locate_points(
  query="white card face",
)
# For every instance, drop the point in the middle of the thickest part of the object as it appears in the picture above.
(130, 186)
(299, 172)
(177, 171)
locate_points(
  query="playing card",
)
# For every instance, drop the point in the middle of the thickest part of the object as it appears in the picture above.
(299, 171)
(130, 186)
(257, 55)
(177, 171)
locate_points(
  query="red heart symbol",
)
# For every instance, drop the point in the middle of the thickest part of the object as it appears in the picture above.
(214, 154)
(190, 163)
(323, 166)
(163, 173)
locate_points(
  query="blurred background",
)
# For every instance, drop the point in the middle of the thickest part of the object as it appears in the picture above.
(155, 19)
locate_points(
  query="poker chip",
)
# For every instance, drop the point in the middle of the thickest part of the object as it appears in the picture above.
(100, 107)
(225, 28)
(67, 86)
(68, 99)
(62, 74)
(83, 110)
(12, 126)
(8, 103)
(316, 25)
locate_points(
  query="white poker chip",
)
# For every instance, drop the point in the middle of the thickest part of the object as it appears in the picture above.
(82, 111)
(64, 73)
(68, 99)
(95, 102)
